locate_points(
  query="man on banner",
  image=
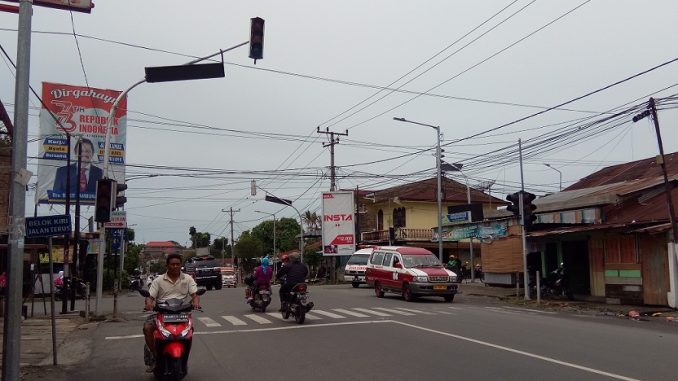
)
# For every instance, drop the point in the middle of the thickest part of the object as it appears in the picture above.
(86, 180)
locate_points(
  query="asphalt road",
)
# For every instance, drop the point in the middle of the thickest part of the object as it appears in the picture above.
(353, 335)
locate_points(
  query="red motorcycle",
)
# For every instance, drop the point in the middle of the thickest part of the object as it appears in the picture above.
(173, 335)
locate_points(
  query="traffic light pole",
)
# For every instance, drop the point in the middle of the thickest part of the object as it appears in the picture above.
(526, 276)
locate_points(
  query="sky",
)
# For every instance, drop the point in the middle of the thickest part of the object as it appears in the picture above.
(487, 73)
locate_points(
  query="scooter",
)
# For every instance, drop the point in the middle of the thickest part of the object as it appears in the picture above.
(261, 297)
(297, 304)
(65, 286)
(173, 335)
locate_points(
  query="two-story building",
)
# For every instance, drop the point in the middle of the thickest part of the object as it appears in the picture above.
(408, 215)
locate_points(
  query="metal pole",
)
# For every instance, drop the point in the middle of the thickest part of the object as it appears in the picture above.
(438, 196)
(52, 307)
(522, 222)
(78, 264)
(17, 207)
(67, 236)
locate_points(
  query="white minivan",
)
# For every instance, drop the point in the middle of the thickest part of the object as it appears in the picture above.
(354, 271)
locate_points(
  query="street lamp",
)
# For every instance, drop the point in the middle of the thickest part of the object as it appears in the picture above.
(285, 202)
(560, 174)
(456, 167)
(270, 214)
(438, 192)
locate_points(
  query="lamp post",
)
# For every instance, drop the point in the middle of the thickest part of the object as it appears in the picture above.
(438, 191)
(282, 201)
(270, 214)
(457, 167)
(560, 174)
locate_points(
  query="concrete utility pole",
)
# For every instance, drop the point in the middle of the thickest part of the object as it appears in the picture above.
(526, 276)
(11, 350)
(231, 211)
(333, 141)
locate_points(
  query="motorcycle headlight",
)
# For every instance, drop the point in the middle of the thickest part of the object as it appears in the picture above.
(421, 279)
(453, 279)
(188, 328)
(162, 329)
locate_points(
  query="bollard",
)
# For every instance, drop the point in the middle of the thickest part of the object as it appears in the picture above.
(87, 300)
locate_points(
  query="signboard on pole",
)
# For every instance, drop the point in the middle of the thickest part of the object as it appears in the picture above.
(48, 226)
(338, 224)
(118, 220)
(71, 5)
(82, 113)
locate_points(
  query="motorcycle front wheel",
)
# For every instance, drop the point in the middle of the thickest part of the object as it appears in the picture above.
(175, 369)
(300, 315)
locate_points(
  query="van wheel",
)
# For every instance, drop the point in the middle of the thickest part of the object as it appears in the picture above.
(407, 293)
(378, 291)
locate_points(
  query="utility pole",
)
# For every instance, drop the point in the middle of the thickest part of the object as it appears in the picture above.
(660, 159)
(333, 141)
(526, 276)
(231, 211)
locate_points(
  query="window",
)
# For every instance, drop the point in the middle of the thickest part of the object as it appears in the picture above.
(380, 220)
(621, 249)
(387, 259)
(377, 258)
(399, 220)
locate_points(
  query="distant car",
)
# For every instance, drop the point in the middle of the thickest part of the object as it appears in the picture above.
(354, 271)
(228, 277)
(410, 272)
(206, 272)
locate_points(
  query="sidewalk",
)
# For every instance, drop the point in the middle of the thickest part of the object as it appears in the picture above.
(508, 295)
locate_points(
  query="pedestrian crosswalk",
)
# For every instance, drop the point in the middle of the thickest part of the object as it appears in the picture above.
(323, 315)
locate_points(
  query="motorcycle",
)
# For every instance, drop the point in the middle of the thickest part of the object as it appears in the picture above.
(135, 283)
(65, 287)
(554, 285)
(261, 297)
(173, 335)
(297, 304)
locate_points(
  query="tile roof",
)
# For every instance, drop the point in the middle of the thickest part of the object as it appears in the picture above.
(425, 190)
(162, 244)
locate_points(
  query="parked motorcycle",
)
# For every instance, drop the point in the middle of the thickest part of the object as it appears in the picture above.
(64, 286)
(297, 304)
(554, 285)
(260, 298)
(173, 336)
(135, 283)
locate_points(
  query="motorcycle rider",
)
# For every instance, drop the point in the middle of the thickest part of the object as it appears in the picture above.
(289, 275)
(172, 284)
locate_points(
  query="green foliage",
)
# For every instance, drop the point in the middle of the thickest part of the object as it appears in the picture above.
(312, 258)
(286, 230)
(247, 248)
(130, 235)
(132, 257)
(158, 267)
(202, 239)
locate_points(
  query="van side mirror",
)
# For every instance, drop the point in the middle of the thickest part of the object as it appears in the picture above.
(398, 265)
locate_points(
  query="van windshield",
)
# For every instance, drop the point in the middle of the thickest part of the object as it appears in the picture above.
(358, 259)
(421, 261)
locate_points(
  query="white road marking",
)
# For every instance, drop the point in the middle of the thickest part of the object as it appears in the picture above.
(328, 314)
(233, 320)
(416, 311)
(277, 315)
(377, 313)
(397, 312)
(312, 317)
(502, 311)
(350, 313)
(519, 352)
(445, 312)
(258, 319)
(209, 322)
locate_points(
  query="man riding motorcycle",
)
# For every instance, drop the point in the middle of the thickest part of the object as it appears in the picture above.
(289, 275)
(171, 284)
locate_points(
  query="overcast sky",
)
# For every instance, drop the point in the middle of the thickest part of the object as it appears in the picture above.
(468, 67)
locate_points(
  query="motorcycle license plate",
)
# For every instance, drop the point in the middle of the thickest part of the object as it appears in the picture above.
(175, 318)
(265, 292)
(439, 287)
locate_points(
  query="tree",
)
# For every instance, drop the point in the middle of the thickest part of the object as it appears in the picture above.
(218, 247)
(191, 232)
(132, 259)
(248, 248)
(201, 239)
(311, 220)
(286, 231)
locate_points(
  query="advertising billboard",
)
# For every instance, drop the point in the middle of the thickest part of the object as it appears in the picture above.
(82, 112)
(338, 223)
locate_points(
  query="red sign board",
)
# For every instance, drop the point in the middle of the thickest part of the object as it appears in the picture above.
(71, 5)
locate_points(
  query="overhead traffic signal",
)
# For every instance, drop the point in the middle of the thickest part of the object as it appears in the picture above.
(257, 39)
(120, 198)
(528, 206)
(104, 200)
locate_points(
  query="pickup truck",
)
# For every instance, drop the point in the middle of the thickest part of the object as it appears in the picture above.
(206, 271)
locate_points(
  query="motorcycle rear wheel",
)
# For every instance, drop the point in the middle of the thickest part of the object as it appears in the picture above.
(300, 315)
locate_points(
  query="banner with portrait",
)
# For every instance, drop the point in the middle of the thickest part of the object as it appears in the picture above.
(81, 113)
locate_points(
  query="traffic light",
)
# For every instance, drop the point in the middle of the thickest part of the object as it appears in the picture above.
(514, 198)
(104, 202)
(120, 198)
(257, 39)
(529, 209)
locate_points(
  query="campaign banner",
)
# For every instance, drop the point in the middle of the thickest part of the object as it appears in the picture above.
(338, 226)
(83, 113)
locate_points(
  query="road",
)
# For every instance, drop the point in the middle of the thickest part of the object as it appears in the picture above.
(352, 335)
